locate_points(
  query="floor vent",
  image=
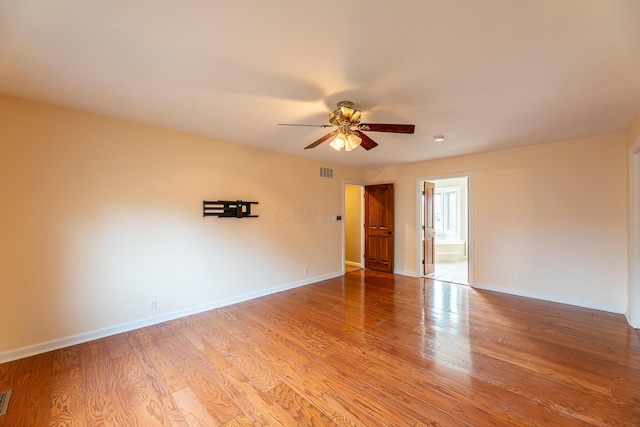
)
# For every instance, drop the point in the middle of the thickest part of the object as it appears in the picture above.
(4, 401)
(326, 172)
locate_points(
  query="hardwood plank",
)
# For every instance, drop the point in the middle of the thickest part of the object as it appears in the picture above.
(155, 383)
(118, 346)
(202, 378)
(342, 421)
(19, 401)
(348, 414)
(171, 377)
(301, 410)
(194, 413)
(137, 397)
(37, 411)
(102, 406)
(240, 421)
(244, 360)
(255, 403)
(67, 391)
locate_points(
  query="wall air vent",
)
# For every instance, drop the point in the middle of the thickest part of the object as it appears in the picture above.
(326, 172)
(4, 401)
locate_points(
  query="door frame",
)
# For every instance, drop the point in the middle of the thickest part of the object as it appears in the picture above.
(633, 293)
(362, 184)
(419, 248)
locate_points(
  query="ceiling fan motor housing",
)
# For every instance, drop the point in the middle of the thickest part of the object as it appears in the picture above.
(345, 115)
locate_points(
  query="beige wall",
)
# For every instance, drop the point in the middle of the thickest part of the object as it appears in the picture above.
(353, 223)
(101, 215)
(552, 214)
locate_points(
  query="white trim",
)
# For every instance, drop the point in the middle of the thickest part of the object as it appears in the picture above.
(45, 347)
(469, 237)
(633, 303)
(353, 264)
(406, 273)
(552, 298)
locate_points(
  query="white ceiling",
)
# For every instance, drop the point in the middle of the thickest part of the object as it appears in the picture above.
(489, 74)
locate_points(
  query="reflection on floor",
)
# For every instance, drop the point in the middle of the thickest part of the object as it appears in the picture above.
(455, 272)
(348, 268)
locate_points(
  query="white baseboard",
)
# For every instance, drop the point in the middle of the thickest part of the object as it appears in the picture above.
(630, 319)
(406, 273)
(552, 298)
(400, 272)
(45, 347)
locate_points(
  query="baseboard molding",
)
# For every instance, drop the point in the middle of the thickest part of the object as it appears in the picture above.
(406, 273)
(57, 344)
(400, 272)
(552, 298)
(635, 323)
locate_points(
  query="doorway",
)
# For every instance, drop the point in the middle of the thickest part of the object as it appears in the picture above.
(445, 238)
(353, 236)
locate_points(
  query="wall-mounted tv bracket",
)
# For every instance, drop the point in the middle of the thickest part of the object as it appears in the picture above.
(227, 209)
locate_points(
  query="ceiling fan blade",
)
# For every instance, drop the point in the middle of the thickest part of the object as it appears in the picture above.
(382, 127)
(367, 143)
(323, 139)
(295, 124)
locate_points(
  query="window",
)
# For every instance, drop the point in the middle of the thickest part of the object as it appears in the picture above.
(445, 211)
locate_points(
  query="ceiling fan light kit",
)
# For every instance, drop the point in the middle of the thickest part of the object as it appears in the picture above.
(349, 134)
(347, 141)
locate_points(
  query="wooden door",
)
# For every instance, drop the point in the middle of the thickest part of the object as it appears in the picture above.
(378, 227)
(429, 231)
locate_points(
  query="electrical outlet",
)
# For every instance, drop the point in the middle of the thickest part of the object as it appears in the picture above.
(516, 280)
(306, 271)
(153, 304)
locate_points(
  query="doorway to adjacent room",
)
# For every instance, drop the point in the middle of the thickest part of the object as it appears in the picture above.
(445, 230)
(353, 243)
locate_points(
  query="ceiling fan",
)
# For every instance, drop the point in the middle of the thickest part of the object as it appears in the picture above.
(349, 134)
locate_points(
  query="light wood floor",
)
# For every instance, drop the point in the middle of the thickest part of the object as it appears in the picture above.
(364, 349)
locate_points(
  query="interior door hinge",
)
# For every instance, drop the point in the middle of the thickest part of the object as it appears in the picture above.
(422, 262)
